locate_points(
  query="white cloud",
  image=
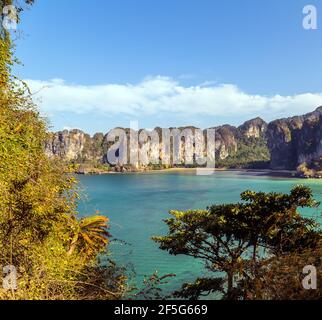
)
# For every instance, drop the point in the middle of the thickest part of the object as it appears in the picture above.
(163, 95)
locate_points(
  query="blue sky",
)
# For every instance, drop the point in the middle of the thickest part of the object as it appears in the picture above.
(104, 63)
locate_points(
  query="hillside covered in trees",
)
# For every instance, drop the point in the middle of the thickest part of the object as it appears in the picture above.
(48, 252)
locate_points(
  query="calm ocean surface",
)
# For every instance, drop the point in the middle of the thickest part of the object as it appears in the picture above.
(137, 203)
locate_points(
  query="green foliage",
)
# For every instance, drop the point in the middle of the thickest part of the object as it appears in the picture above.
(251, 153)
(202, 287)
(152, 287)
(233, 239)
(55, 254)
(91, 235)
(280, 277)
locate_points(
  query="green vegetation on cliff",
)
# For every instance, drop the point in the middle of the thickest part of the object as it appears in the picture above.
(251, 153)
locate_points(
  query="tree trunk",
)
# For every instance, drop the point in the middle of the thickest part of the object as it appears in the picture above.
(230, 285)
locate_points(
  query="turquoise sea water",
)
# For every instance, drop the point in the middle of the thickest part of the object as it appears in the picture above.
(137, 203)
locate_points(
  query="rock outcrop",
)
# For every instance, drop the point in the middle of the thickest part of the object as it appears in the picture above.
(233, 146)
(254, 128)
(289, 143)
(75, 145)
(296, 140)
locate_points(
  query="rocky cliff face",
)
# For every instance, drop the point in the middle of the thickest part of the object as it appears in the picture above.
(255, 128)
(233, 146)
(296, 140)
(75, 145)
(288, 143)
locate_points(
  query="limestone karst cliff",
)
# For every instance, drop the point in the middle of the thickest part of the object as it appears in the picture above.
(283, 144)
(234, 146)
(75, 145)
(296, 140)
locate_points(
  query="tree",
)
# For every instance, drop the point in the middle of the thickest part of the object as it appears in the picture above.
(281, 277)
(91, 235)
(38, 216)
(234, 239)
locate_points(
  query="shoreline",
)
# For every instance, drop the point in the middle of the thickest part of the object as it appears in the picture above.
(260, 172)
